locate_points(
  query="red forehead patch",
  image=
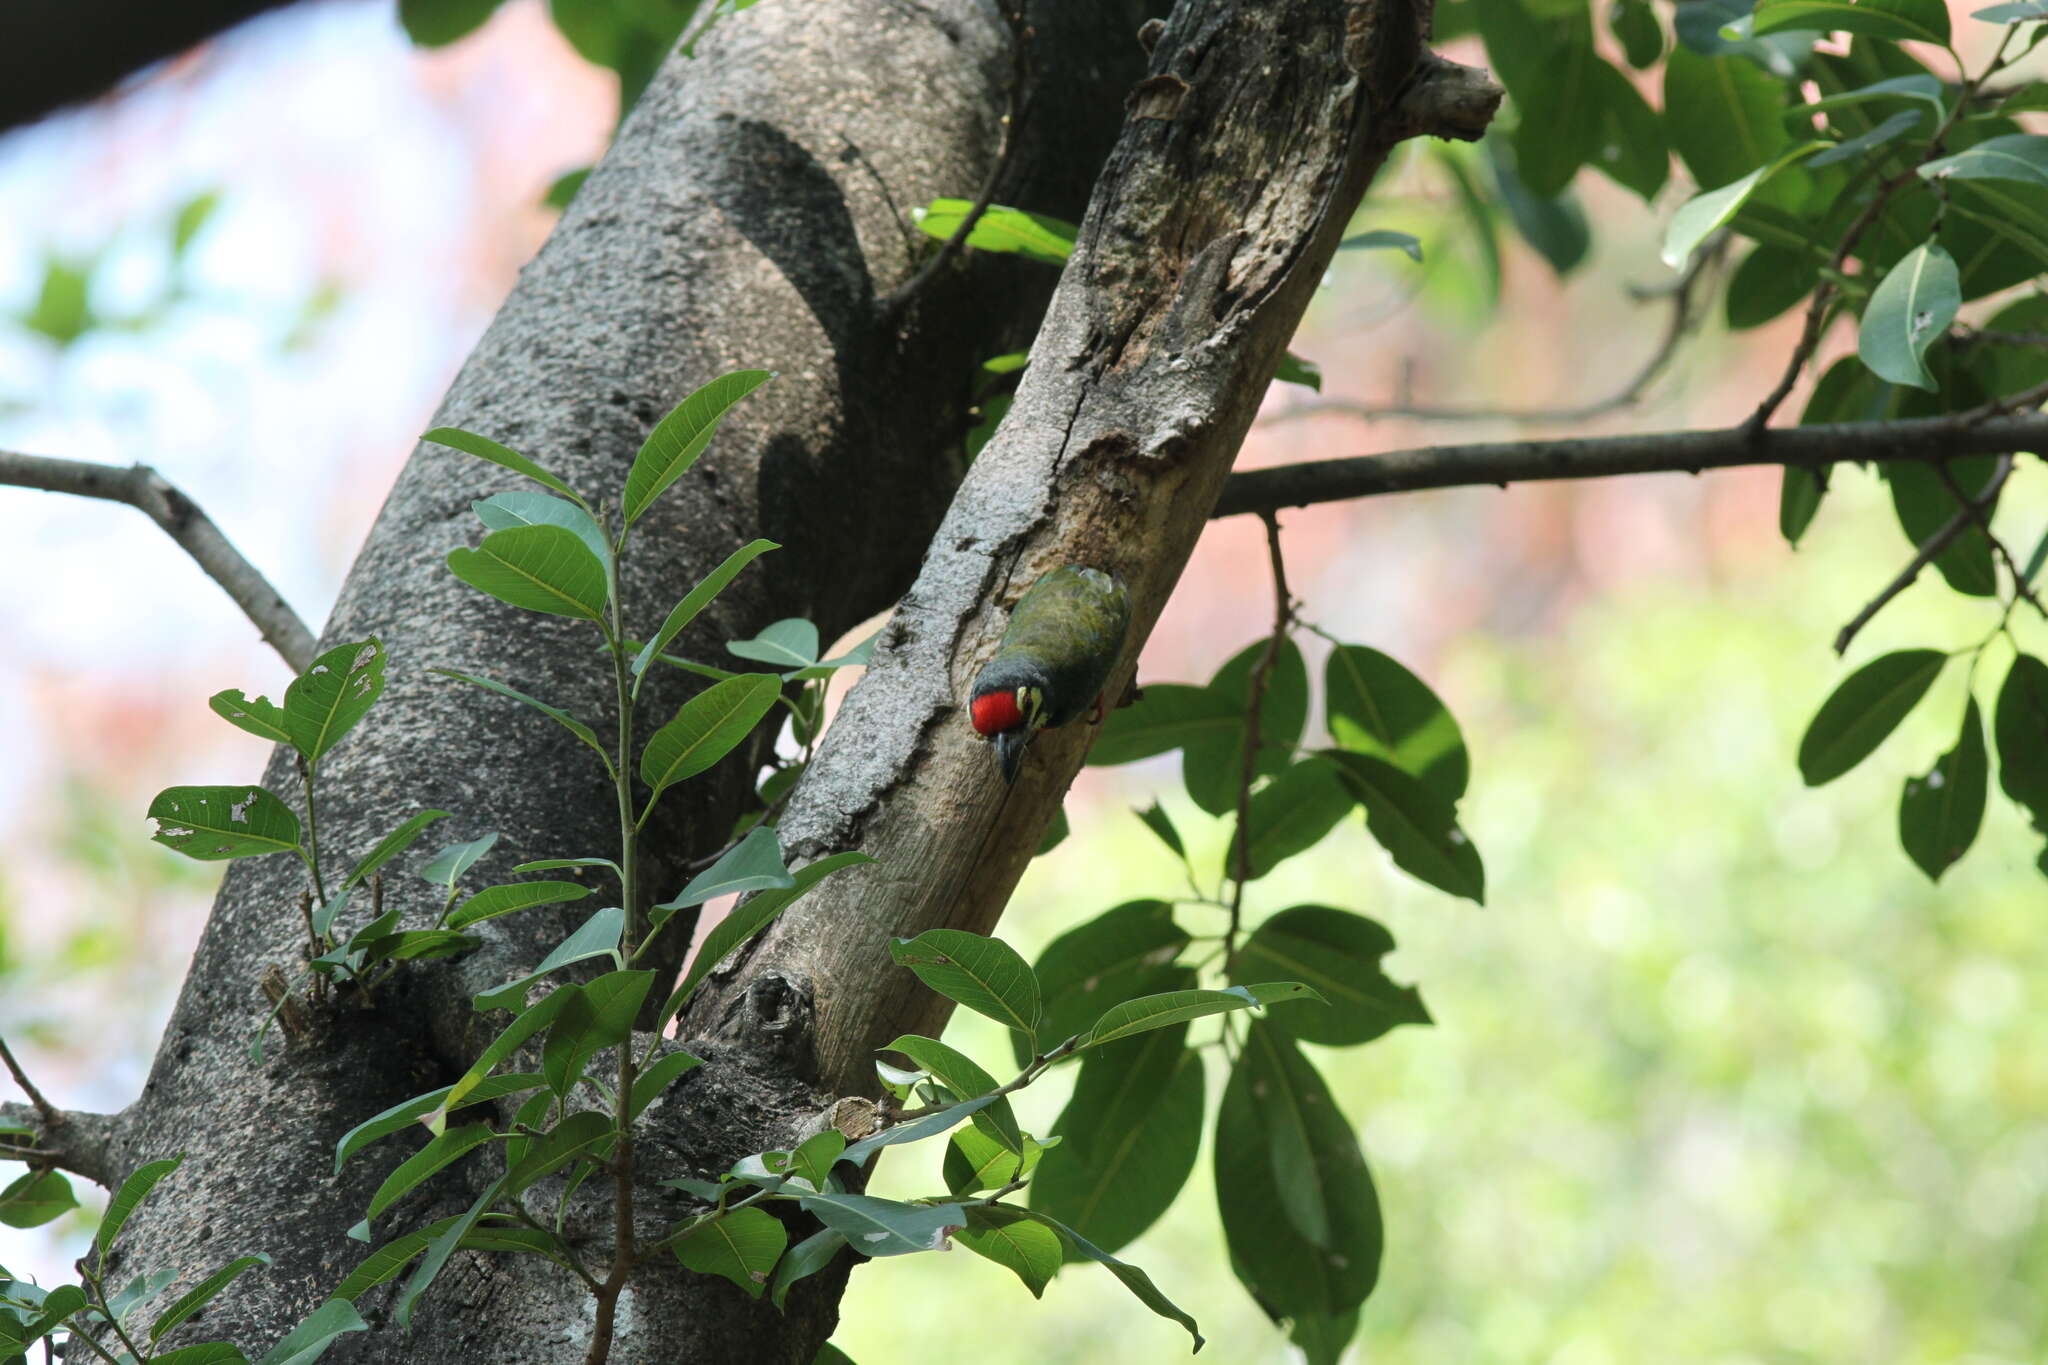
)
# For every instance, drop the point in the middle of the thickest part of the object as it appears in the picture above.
(995, 712)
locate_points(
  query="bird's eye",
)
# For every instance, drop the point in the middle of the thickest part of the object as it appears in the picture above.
(1027, 703)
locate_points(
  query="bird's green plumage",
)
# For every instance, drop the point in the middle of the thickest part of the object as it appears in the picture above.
(1064, 636)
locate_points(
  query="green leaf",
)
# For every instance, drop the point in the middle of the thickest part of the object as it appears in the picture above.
(2016, 156)
(1322, 1337)
(1161, 824)
(417, 945)
(1479, 215)
(1939, 813)
(1866, 707)
(916, 1130)
(1126, 951)
(1055, 834)
(1378, 708)
(537, 1017)
(554, 713)
(753, 864)
(1917, 21)
(1553, 223)
(493, 901)
(1724, 116)
(2021, 12)
(1630, 149)
(540, 568)
(1295, 370)
(1546, 61)
(600, 1016)
(1149, 1012)
(1128, 1138)
(659, 1075)
(742, 1245)
(309, 1341)
(597, 936)
(206, 1353)
(200, 1295)
(705, 729)
(436, 23)
(2020, 728)
(260, 717)
(999, 229)
(815, 1157)
(984, 974)
(1285, 1156)
(1701, 215)
(1635, 27)
(581, 1134)
(1846, 393)
(524, 507)
(417, 1108)
(190, 220)
(1910, 309)
(1383, 239)
(963, 1076)
(484, 448)
(1168, 716)
(446, 867)
(35, 1198)
(1339, 954)
(679, 438)
(1290, 815)
(550, 864)
(391, 845)
(790, 643)
(1014, 1240)
(133, 1191)
(975, 1161)
(1415, 825)
(698, 598)
(884, 1227)
(1134, 1279)
(1860, 146)
(747, 919)
(1212, 763)
(804, 1260)
(562, 189)
(439, 1153)
(438, 1251)
(214, 823)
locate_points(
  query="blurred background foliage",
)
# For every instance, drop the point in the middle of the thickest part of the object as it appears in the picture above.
(1716, 1076)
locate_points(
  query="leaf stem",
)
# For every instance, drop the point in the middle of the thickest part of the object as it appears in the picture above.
(1254, 701)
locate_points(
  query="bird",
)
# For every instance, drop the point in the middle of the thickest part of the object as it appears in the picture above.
(1065, 634)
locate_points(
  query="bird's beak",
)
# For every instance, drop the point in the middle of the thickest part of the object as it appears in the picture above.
(1010, 750)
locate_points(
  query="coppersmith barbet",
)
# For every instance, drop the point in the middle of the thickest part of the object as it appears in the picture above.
(1064, 636)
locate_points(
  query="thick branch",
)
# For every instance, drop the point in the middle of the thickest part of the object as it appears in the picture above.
(76, 1141)
(1243, 153)
(1926, 440)
(185, 522)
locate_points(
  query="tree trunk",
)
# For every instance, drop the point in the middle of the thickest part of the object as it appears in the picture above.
(751, 214)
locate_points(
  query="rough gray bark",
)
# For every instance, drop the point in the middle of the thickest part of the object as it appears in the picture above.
(1246, 150)
(750, 214)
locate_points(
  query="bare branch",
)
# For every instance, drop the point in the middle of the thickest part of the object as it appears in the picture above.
(1678, 291)
(1928, 440)
(185, 522)
(1254, 703)
(1929, 551)
(52, 1117)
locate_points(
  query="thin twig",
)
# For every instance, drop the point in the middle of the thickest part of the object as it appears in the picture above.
(1929, 551)
(1983, 519)
(52, 1116)
(87, 1144)
(1677, 324)
(1017, 105)
(1928, 440)
(186, 522)
(1254, 700)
